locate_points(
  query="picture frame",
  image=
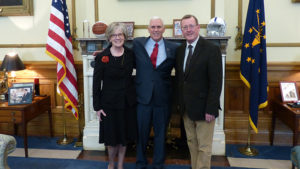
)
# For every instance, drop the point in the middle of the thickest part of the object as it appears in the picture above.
(177, 33)
(289, 91)
(16, 8)
(130, 28)
(25, 84)
(20, 95)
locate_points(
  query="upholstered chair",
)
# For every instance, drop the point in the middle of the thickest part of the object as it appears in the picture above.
(7, 146)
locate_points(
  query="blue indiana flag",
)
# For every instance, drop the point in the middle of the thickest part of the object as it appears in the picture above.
(254, 60)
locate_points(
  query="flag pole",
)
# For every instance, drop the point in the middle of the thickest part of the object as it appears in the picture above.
(248, 150)
(253, 66)
(64, 140)
(79, 142)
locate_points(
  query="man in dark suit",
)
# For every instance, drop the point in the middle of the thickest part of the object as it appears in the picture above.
(155, 59)
(199, 79)
(26, 98)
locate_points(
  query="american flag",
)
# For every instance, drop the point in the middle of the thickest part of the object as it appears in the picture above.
(59, 47)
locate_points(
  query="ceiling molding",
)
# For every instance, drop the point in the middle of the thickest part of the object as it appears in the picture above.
(283, 44)
(22, 45)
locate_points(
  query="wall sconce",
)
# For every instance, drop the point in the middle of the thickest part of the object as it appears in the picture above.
(11, 63)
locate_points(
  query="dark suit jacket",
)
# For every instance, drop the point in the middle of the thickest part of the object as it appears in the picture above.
(153, 83)
(26, 97)
(118, 88)
(199, 88)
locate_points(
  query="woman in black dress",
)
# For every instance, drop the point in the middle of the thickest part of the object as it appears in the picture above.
(114, 97)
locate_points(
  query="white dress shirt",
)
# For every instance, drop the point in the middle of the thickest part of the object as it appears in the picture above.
(161, 56)
(187, 51)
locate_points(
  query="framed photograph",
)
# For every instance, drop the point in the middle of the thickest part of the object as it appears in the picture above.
(29, 84)
(130, 28)
(177, 33)
(289, 91)
(16, 7)
(19, 95)
(26, 84)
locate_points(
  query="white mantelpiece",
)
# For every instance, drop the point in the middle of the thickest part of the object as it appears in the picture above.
(91, 128)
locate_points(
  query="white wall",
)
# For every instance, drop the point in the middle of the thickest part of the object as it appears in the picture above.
(282, 24)
(27, 30)
(141, 11)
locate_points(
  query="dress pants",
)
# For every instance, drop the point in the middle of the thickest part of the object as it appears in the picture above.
(199, 139)
(158, 117)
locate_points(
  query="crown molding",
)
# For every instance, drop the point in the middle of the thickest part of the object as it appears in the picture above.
(22, 45)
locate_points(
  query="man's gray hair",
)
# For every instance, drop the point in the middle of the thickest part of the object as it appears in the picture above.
(155, 18)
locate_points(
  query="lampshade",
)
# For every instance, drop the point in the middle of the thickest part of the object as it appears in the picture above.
(12, 62)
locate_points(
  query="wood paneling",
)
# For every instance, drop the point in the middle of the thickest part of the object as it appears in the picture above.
(237, 105)
(46, 72)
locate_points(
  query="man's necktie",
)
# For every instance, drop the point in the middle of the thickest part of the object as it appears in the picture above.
(189, 57)
(153, 56)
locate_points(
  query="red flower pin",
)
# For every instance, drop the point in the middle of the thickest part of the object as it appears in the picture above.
(105, 59)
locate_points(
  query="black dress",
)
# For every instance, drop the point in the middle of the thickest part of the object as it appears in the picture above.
(116, 96)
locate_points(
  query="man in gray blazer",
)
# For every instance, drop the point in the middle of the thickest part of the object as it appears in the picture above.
(199, 79)
(155, 59)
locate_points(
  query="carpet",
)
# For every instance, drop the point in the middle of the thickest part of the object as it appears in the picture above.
(260, 163)
(45, 153)
(269, 157)
(46, 147)
(264, 152)
(43, 163)
(45, 143)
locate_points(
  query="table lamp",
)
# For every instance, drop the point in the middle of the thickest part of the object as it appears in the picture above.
(11, 63)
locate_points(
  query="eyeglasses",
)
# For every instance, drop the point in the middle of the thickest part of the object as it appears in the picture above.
(186, 27)
(120, 35)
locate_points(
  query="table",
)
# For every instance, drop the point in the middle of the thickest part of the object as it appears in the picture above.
(288, 115)
(22, 114)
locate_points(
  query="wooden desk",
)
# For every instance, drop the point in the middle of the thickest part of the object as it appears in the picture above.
(288, 115)
(22, 114)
